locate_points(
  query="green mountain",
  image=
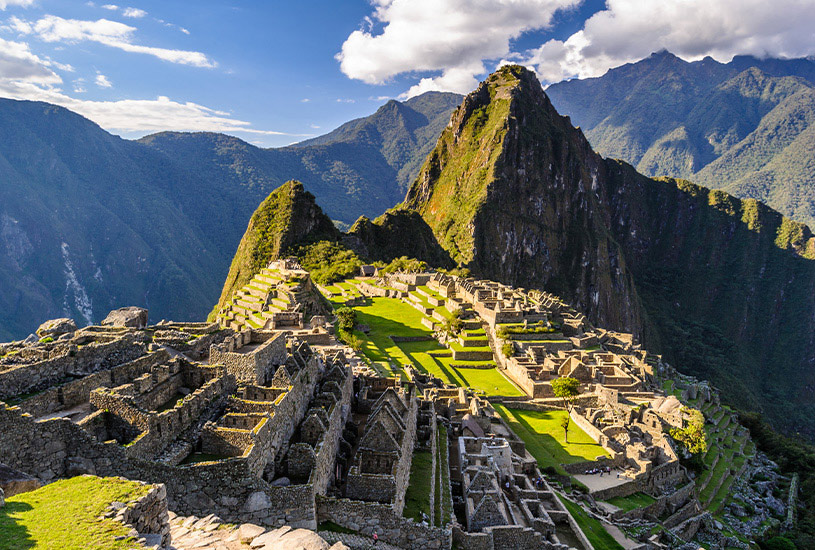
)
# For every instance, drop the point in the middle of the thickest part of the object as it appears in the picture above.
(744, 126)
(288, 216)
(90, 222)
(724, 287)
(361, 168)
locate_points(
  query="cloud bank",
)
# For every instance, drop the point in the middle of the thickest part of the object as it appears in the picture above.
(450, 36)
(458, 38)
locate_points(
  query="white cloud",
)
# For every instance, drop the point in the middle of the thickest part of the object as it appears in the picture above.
(315, 127)
(24, 75)
(22, 3)
(103, 31)
(305, 100)
(341, 100)
(451, 36)
(102, 81)
(111, 7)
(135, 13)
(628, 30)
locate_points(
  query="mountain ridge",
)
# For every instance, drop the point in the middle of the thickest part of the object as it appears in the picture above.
(724, 125)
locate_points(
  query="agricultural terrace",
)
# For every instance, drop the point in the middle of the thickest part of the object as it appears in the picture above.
(386, 317)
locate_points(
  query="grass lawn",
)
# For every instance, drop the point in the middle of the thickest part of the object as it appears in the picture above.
(63, 516)
(632, 502)
(490, 381)
(599, 538)
(417, 496)
(543, 435)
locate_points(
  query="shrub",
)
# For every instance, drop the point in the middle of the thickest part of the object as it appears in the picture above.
(346, 319)
(46, 340)
(508, 349)
(404, 265)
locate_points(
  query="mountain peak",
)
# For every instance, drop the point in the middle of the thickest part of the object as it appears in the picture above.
(287, 217)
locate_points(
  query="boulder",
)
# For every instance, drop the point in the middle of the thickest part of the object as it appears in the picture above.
(249, 532)
(14, 482)
(2, 498)
(340, 546)
(132, 316)
(281, 482)
(56, 327)
(31, 339)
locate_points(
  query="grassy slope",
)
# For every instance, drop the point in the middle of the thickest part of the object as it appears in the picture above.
(599, 538)
(63, 516)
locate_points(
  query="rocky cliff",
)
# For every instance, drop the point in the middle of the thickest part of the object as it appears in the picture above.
(724, 287)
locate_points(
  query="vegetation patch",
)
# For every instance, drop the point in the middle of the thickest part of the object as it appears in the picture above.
(64, 515)
(417, 496)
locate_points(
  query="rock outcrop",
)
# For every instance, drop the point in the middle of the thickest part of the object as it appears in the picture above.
(131, 316)
(13, 482)
(56, 327)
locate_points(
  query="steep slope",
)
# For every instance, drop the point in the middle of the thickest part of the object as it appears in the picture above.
(88, 223)
(724, 287)
(288, 216)
(510, 191)
(722, 125)
(361, 168)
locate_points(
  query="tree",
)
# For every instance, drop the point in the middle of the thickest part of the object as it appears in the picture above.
(346, 319)
(692, 436)
(454, 324)
(566, 388)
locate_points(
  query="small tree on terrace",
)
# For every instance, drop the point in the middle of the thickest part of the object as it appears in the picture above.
(566, 388)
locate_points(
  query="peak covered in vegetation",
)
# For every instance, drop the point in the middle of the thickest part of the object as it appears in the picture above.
(723, 287)
(289, 216)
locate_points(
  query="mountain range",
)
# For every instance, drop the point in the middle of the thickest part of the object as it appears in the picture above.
(90, 222)
(745, 126)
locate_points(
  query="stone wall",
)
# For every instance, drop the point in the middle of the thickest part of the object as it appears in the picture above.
(255, 367)
(390, 526)
(226, 488)
(148, 515)
(75, 393)
(90, 358)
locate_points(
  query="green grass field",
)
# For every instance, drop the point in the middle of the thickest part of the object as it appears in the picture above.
(388, 317)
(544, 438)
(63, 516)
(417, 496)
(490, 381)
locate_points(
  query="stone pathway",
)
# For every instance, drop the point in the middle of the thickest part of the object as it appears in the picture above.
(210, 533)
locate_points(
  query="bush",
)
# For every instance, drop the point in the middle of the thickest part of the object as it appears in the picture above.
(508, 349)
(46, 340)
(346, 319)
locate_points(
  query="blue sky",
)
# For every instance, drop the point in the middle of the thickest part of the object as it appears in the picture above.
(275, 72)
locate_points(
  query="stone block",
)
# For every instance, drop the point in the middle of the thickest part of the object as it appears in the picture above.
(14, 482)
